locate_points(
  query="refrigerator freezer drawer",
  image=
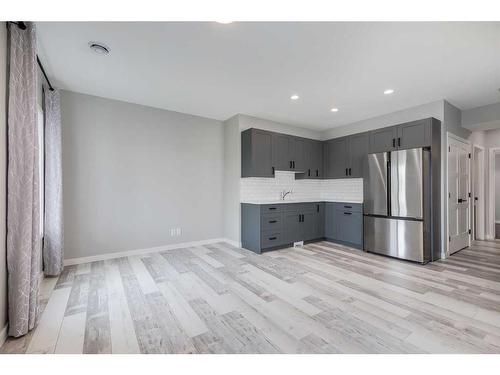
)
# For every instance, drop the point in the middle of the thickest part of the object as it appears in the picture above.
(397, 238)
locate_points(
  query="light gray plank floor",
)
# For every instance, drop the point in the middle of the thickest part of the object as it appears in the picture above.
(322, 298)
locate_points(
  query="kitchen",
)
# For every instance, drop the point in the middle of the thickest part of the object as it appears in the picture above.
(393, 215)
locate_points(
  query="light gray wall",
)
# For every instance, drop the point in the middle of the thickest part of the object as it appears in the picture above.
(497, 188)
(453, 121)
(433, 109)
(247, 122)
(3, 172)
(130, 173)
(486, 117)
(232, 174)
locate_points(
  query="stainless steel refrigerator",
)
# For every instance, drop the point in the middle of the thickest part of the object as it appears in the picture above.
(397, 201)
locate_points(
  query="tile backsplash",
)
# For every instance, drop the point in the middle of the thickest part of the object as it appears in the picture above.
(255, 189)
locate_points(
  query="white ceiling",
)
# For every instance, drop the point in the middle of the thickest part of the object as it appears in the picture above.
(219, 70)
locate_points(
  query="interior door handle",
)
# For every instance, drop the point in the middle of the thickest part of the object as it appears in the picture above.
(460, 200)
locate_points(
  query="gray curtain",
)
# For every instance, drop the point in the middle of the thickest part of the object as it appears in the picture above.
(23, 203)
(53, 231)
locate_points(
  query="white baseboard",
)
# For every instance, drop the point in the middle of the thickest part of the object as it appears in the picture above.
(120, 254)
(3, 334)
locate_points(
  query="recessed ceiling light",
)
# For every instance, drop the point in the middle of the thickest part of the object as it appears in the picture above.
(99, 48)
(224, 22)
(334, 109)
(388, 91)
(294, 97)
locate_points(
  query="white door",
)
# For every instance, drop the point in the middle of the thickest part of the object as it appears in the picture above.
(458, 197)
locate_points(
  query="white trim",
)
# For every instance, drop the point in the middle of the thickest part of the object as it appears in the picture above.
(446, 209)
(481, 194)
(120, 254)
(491, 192)
(3, 334)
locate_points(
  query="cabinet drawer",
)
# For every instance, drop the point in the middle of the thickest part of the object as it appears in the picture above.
(271, 239)
(273, 221)
(271, 208)
(350, 207)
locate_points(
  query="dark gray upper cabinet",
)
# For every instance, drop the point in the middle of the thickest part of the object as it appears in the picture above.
(298, 154)
(256, 153)
(358, 149)
(263, 152)
(414, 134)
(313, 160)
(289, 152)
(345, 156)
(408, 135)
(337, 158)
(281, 152)
(382, 140)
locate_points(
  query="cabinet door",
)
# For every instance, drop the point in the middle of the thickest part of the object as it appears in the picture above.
(414, 134)
(337, 158)
(256, 153)
(319, 221)
(281, 152)
(349, 226)
(382, 140)
(330, 230)
(358, 149)
(298, 154)
(314, 160)
(317, 157)
(308, 226)
(292, 227)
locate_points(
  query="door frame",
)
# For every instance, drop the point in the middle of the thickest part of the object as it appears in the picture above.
(480, 213)
(491, 192)
(451, 136)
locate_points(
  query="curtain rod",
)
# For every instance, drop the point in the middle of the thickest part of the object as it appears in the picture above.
(22, 26)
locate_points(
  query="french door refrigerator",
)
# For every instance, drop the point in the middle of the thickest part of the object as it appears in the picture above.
(396, 219)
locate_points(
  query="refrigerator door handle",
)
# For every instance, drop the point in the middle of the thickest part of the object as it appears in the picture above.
(389, 206)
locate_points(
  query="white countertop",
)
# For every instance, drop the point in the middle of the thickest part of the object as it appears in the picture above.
(277, 201)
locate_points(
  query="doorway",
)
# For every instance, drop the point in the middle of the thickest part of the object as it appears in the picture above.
(459, 194)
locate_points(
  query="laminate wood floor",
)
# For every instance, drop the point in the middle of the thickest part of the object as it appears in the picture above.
(322, 298)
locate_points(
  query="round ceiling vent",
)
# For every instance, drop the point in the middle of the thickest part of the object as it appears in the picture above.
(99, 48)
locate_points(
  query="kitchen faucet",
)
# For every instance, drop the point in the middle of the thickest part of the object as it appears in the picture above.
(284, 193)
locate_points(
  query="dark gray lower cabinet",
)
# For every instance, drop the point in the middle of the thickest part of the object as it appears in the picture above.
(266, 227)
(344, 223)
